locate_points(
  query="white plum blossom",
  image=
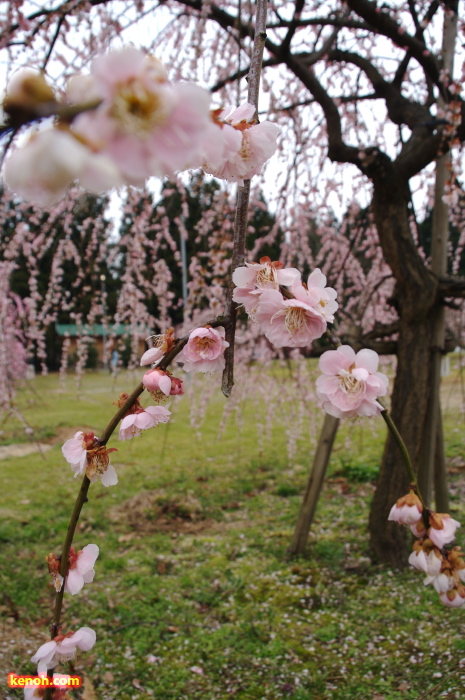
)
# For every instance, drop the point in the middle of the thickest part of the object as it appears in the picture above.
(81, 569)
(63, 648)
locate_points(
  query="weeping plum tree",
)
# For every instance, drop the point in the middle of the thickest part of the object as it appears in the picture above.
(356, 83)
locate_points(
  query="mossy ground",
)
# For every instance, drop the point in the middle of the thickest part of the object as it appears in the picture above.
(193, 596)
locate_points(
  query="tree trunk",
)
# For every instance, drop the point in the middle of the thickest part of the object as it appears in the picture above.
(418, 308)
(314, 485)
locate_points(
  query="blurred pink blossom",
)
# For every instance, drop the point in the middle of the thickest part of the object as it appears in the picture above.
(444, 532)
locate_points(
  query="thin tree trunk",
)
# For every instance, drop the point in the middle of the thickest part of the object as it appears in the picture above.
(427, 474)
(314, 486)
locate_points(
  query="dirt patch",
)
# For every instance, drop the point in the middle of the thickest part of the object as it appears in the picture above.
(22, 449)
(16, 647)
(155, 511)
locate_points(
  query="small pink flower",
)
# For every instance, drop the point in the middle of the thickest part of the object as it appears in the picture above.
(204, 351)
(157, 380)
(63, 648)
(75, 451)
(177, 387)
(288, 322)
(441, 583)
(445, 534)
(236, 148)
(81, 568)
(454, 598)
(253, 278)
(407, 510)
(350, 383)
(132, 424)
(324, 298)
(418, 529)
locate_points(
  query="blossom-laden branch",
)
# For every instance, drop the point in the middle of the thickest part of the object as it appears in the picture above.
(88, 455)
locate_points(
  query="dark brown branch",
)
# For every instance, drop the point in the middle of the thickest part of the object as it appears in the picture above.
(452, 287)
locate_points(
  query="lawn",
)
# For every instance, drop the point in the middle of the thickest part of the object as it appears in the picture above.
(193, 596)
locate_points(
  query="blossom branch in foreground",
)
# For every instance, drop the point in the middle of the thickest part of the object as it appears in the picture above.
(83, 491)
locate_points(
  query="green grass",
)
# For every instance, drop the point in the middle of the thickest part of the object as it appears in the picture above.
(193, 596)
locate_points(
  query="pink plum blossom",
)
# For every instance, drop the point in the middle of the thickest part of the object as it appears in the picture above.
(419, 529)
(75, 451)
(63, 648)
(204, 351)
(81, 568)
(288, 322)
(246, 146)
(324, 297)
(407, 510)
(350, 383)
(454, 598)
(144, 124)
(134, 423)
(442, 530)
(253, 278)
(156, 380)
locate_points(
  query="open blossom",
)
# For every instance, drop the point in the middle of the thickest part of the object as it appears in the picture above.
(86, 455)
(236, 147)
(162, 344)
(289, 322)
(63, 648)
(204, 351)
(81, 568)
(253, 278)
(350, 383)
(146, 125)
(442, 530)
(134, 423)
(407, 510)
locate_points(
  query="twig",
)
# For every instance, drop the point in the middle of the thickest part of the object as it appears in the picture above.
(243, 195)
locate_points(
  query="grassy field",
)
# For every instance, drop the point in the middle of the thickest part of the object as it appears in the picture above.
(193, 596)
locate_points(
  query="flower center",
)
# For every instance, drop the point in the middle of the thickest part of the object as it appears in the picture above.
(266, 276)
(202, 345)
(350, 385)
(137, 110)
(294, 320)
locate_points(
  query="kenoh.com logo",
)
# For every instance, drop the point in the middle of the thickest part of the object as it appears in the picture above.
(43, 681)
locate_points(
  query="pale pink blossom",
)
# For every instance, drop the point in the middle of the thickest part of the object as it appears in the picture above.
(60, 690)
(350, 383)
(454, 598)
(252, 278)
(204, 351)
(63, 648)
(288, 322)
(81, 569)
(46, 166)
(75, 451)
(407, 510)
(445, 534)
(419, 529)
(134, 423)
(246, 146)
(150, 356)
(441, 582)
(323, 297)
(144, 124)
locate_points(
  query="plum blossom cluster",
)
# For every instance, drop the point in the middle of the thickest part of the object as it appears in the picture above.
(123, 123)
(444, 568)
(294, 320)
